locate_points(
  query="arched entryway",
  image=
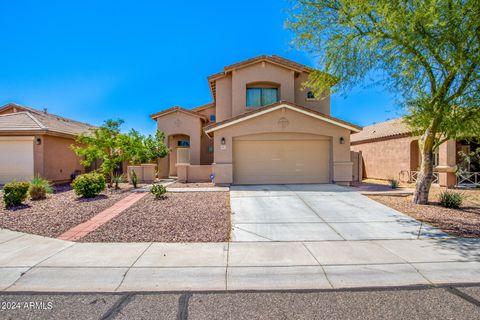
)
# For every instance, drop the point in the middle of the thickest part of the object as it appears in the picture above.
(179, 145)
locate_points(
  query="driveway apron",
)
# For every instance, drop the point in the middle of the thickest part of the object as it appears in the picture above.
(317, 212)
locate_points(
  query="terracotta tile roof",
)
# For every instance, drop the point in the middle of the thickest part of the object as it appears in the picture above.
(290, 64)
(212, 127)
(26, 118)
(387, 129)
(177, 108)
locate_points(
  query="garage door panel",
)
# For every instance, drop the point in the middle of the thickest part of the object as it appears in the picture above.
(288, 161)
(16, 160)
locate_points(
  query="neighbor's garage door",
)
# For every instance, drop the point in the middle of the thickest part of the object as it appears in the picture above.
(283, 162)
(16, 159)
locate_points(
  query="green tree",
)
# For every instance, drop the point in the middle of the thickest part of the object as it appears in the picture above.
(112, 147)
(426, 51)
(155, 147)
(105, 143)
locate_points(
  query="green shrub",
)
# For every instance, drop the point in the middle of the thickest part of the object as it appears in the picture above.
(117, 179)
(451, 199)
(394, 184)
(39, 188)
(15, 192)
(89, 185)
(134, 178)
(158, 191)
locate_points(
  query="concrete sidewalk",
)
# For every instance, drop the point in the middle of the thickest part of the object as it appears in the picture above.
(34, 263)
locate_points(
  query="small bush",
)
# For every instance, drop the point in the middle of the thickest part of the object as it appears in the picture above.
(39, 188)
(14, 193)
(134, 178)
(394, 184)
(117, 179)
(158, 191)
(451, 199)
(89, 185)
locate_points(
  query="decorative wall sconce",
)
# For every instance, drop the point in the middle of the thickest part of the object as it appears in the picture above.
(223, 141)
(38, 141)
(342, 140)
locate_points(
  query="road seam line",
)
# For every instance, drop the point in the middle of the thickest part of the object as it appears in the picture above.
(117, 307)
(183, 306)
(463, 295)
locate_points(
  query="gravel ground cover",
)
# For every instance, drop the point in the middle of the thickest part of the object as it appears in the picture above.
(191, 185)
(179, 217)
(58, 213)
(463, 222)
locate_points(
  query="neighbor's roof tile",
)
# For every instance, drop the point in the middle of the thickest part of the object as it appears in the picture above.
(26, 118)
(391, 128)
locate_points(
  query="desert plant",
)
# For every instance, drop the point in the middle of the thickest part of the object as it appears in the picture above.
(451, 199)
(14, 193)
(134, 178)
(158, 191)
(39, 188)
(394, 184)
(89, 185)
(117, 179)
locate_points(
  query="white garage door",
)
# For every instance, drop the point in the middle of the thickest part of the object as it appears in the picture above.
(281, 162)
(16, 159)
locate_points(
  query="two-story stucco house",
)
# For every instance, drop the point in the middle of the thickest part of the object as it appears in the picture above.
(262, 127)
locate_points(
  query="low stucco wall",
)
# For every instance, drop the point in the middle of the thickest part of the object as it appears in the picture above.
(194, 173)
(386, 159)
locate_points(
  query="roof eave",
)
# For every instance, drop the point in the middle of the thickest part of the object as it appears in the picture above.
(276, 106)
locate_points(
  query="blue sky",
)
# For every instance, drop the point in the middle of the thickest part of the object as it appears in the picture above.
(94, 60)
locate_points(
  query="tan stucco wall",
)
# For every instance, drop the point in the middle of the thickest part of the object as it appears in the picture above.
(260, 72)
(192, 173)
(298, 123)
(59, 161)
(386, 159)
(396, 158)
(231, 89)
(180, 123)
(321, 105)
(224, 98)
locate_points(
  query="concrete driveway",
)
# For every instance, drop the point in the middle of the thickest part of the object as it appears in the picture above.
(317, 213)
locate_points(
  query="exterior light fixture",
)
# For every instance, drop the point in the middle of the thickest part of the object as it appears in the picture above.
(342, 140)
(38, 141)
(223, 141)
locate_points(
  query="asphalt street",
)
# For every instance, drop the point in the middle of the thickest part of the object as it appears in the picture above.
(415, 302)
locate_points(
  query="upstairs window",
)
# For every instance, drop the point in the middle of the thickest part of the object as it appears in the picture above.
(310, 95)
(212, 118)
(258, 97)
(183, 143)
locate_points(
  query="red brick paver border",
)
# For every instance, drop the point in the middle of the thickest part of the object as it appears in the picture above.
(103, 217)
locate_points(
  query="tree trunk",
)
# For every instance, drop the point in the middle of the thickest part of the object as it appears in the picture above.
(425, 175)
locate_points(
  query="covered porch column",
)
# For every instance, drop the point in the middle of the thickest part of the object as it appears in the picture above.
(447, 160)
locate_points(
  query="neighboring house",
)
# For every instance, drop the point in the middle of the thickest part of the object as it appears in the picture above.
(390, 151)
(34, 142)
(262, 127)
